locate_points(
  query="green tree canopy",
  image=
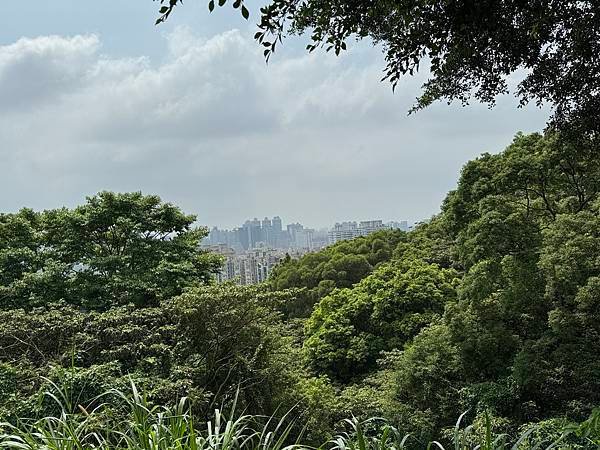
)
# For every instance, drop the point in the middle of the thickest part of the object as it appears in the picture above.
(338, 266)
(562, 367)
(210, 344)
(521, 336)
(115, 249)
(350, 328)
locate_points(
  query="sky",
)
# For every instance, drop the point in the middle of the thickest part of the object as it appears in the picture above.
(95, 97)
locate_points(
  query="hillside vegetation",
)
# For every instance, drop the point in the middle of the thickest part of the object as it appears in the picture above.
(338, 266)
(491, 308)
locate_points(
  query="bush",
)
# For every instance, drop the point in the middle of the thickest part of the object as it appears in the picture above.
(208, 344)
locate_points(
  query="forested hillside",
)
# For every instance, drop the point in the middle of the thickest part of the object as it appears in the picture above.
(491, 308)
(505, 319)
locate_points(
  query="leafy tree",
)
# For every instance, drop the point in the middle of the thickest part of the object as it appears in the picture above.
(426, 379)
(520, 338)
(338, 266)
(524, 224)
(350, 328)
(115, 249)
(429, 242)
(492, 306)
(539, 175)
(497, 215)
(20, 243)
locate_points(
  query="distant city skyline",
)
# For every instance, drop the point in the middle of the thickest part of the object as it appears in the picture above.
(274, 233)
(252, 249)
(268, 232)
(316, 225)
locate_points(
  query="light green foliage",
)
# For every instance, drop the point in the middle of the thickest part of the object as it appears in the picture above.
(368, 434)
(502, 212)
(429, 242)
(19, 244)
(526, 229)
(114, 250)
(351, 327)
(424, 382)
(338, 266)
(571, 247)
(320, 408)
(515, 332)
(558, 431)
(522, 337)
(147, 426)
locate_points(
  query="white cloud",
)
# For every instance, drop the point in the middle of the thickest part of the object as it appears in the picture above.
(35, 71)
(211, 127)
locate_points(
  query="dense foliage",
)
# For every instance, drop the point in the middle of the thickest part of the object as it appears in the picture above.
(338, 266)
(493, 304)
(350, 328)
(206, 344)
(115, 249)
(520, 334)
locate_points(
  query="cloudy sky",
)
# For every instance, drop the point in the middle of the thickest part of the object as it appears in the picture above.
(93, 97)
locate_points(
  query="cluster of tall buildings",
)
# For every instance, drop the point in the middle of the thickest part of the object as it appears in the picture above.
(248, 267)
(252, 250)
(267, 233)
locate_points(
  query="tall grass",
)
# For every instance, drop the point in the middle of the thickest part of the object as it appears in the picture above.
(126, 420)
(147, 427)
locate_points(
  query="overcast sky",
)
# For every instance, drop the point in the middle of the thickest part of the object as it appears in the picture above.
(94, 98)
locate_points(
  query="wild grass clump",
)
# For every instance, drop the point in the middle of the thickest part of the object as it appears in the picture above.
(127, 420)
(144, 426)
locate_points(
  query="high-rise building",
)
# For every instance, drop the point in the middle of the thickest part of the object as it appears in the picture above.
(342, 231)
(370, 226)
(228, 269)
(279, 237)
(223, 237)
(300, 238)
(320, 239)
(350, 230)
(401, 225)
(304, 239)
(243, 234)
(253, 233)
(269, 233)
(293, 229)
(249, 267)
(277, 224)
(252, 250)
